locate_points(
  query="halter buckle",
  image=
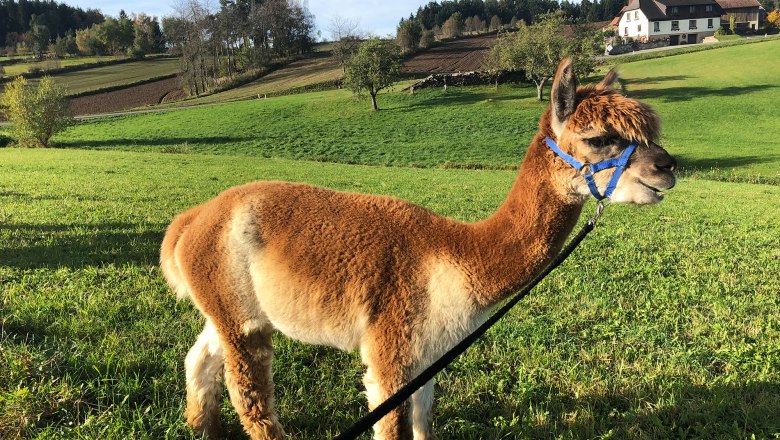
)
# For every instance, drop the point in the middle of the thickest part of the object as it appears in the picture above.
(600, 206)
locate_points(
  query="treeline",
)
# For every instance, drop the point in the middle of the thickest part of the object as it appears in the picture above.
(16, 19)
(241, 37)
(435, 14)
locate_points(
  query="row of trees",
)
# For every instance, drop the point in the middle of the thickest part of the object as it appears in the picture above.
(243, 35)
(60, 19)
(435, 14)
(134, 35)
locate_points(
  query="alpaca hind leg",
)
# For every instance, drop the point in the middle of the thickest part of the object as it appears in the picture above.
(380, 385)
(422, 412)
(204, 365)
(249, 382)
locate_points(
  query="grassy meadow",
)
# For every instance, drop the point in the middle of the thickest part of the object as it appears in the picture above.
(664, 324)
(103, 77)
(19, 68)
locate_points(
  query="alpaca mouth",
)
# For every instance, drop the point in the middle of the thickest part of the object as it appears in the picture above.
(658, 193)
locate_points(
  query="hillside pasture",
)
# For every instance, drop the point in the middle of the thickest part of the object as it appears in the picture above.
(665, 323)
(20, 68)
(104, 77)
(718, 122)
(320, 69)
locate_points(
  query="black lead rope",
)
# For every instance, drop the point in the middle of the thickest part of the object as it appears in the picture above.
(367, 421)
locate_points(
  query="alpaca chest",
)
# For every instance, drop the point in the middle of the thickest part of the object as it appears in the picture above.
(452, 313)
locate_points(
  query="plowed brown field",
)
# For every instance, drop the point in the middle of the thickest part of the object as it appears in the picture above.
(130, 97)
(464, 55)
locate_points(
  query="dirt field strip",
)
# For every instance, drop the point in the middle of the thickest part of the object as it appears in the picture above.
(464, 55)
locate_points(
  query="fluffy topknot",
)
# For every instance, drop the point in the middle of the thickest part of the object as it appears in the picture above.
(606, 110)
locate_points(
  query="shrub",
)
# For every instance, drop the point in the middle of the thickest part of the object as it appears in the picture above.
(427, 39)
(37, 112)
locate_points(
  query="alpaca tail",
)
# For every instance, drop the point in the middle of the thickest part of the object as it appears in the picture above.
(168, 261)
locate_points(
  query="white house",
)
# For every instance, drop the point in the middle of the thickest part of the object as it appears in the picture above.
(679, 21)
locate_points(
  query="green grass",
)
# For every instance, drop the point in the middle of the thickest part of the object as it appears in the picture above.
(110, 76)
(663, 324)
(313, 70)
(716, 107)
(19, 68)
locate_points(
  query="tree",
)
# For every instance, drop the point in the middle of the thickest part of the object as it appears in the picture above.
(495, 23)
(375, 66)
(536, 50)
(66, 45)
(147, 36)
(40, 35)
(37, 112)
(346, 37)
(427, 39)
(408, 35)
(773, 18)
(453, 26)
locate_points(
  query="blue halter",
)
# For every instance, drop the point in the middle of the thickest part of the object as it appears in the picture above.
(618, 162)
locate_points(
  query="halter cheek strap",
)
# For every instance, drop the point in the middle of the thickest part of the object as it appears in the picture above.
(619, 163)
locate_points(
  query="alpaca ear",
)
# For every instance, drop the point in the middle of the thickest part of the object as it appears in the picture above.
(564, 95)
(609, 80)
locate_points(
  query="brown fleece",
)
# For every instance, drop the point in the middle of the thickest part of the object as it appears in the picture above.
(317, 263)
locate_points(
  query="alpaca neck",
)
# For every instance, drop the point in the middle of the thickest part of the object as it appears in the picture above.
(525, 233)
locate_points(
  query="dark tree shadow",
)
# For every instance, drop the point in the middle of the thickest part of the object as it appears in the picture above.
(52, 246)
(654, 79)
(693, 163)
(680, 94)
(157, 141)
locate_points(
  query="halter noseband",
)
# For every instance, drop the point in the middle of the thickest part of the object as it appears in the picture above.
(618, 162)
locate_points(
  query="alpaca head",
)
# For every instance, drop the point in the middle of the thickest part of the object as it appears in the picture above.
(595, 123)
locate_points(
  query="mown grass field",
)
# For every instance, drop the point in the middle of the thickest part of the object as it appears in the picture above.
(664, 324)
(110, 76)
(315, 70)
(19, 68)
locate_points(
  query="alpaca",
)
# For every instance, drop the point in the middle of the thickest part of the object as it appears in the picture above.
(382, 275)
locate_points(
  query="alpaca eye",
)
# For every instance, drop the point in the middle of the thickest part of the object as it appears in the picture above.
(602, 141)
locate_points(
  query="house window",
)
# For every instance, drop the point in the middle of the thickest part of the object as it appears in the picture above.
(708, 8)
(691, 24)
(625, 31)
(675, 25)
(639, 28)
(656, 27)
(692, 9)
(636, 15)
(628, 17)
(709, 24)
(673, 10)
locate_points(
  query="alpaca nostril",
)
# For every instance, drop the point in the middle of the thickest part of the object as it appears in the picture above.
(670, 164)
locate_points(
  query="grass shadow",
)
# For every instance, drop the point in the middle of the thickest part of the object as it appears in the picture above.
(682, 94)
(693, 411)
(57, 245)
(157, 141)
(692, 163)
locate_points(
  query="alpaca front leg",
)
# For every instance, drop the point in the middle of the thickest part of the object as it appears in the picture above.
(251, 388)
(422, 412)
(397, 424)
(203, 365)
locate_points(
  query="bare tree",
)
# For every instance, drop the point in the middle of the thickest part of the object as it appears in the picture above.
(346, 36)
